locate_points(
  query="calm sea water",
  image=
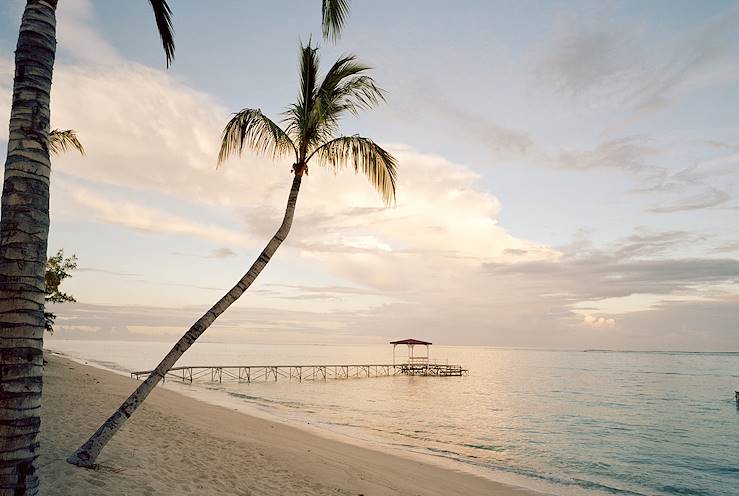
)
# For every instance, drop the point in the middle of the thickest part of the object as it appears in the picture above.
(563, 422)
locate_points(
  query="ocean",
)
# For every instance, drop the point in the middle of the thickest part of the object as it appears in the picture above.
(561, 422)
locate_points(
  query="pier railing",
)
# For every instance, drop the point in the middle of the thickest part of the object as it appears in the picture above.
(300, 373)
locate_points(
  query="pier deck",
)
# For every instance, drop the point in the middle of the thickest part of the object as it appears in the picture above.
(300, 373)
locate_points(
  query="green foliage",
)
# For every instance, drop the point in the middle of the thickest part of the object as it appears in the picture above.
(61, 140)
(58, 268)
(163, 18)
(252, 128)
(312, 123)
(366, 157)
(334, 16)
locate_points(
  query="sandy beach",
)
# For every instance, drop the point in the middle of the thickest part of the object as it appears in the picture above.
(178, 445)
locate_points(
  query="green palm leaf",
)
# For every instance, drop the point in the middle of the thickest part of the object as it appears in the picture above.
(252, 128)
(302, 121)
(163, 17)
(346, 87)
(373, 161)
(334, 16)
(60, 140)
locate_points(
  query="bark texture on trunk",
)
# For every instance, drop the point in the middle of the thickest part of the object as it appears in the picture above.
(86, 454)
(23, 235)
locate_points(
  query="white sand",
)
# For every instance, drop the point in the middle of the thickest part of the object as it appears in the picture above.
(175, 445)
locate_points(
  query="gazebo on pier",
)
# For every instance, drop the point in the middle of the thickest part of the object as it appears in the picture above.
(422, 364)
(412, 343)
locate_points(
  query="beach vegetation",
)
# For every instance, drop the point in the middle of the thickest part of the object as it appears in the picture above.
(58, 268)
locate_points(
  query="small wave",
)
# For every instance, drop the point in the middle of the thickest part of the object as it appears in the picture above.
(532, 474)
(258, 399)
(485, 447)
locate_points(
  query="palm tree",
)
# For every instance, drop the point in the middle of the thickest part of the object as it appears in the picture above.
(24, 231)
(310, 128)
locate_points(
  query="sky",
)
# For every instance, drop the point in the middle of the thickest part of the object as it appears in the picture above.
(567, 174)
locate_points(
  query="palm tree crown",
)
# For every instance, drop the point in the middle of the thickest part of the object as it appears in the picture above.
(312, 123)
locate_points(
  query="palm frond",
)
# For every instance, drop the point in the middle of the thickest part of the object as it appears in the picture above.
(61, 140)
(377, 164)
(252, 128)
(300, 117)
(346, 66)
(309, 62)
(345, 86)
(334, 16)
(163, 17)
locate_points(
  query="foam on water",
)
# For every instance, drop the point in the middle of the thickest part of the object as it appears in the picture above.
(564, 422)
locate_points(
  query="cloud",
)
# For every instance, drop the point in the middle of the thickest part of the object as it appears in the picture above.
(676, 325)
(628, 154)
(215, 253)
(502, 141)
(712, 197)
(584, 61)
(147, 219)
(641, 263)
(555, 301)
(639, 156)
(157, 323)
(645, 243)
(148, 134)
(694, 186)
(651, 161)
(685, 325)
(335, 290)
(77, 36)
(637, 66)
(222, 253)
(598, 322)
(108, 272)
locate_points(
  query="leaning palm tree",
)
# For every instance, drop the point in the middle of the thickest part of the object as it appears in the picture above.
(24, 231)
(311, 125)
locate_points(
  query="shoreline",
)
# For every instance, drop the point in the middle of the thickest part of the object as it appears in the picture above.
(179, 444)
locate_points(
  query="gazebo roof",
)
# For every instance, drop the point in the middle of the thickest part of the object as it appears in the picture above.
(409, 341)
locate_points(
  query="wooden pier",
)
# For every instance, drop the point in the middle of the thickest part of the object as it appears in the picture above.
(414, 365)
(300, 373)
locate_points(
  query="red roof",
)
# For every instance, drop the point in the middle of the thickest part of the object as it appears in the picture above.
(409, 341)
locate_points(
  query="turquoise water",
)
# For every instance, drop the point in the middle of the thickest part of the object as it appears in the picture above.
(563, 422)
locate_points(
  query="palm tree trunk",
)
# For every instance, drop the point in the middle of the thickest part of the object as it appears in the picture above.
(23, 235)
(86, 454)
